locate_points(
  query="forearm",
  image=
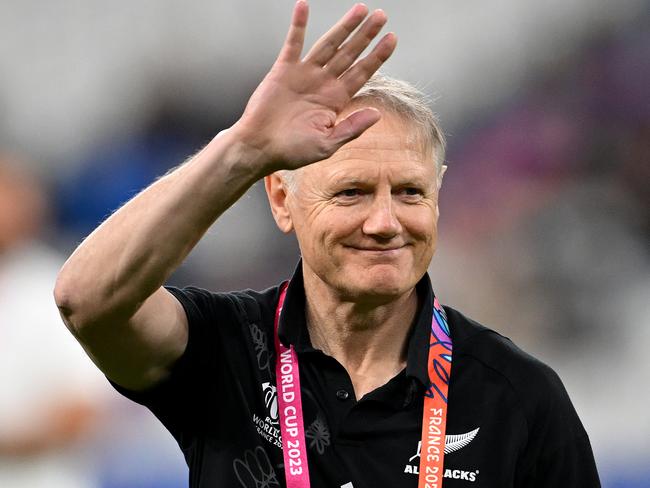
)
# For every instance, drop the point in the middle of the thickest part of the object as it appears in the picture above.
(133, 252)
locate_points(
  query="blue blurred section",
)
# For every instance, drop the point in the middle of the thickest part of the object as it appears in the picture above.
(119, 168)
(637, 478)
(162, 482)
(112, 176)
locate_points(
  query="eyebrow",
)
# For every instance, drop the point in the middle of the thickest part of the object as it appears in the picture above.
(406, 180)
(349, 181)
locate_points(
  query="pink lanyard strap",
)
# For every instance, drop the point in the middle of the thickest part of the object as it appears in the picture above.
(434, 416)
(292, 425)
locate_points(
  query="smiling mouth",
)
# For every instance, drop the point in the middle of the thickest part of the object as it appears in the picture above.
(377, 250)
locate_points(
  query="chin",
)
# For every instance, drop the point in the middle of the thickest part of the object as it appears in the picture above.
(378, 284)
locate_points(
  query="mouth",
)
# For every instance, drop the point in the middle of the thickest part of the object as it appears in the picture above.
(378, 251)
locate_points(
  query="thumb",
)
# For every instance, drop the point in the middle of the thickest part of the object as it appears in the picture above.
(354, 125)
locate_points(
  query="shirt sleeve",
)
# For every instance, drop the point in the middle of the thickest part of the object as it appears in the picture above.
(559, 452)
(178, 400)
(569, 465)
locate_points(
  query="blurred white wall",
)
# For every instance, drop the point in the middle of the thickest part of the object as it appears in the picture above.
(70, 70)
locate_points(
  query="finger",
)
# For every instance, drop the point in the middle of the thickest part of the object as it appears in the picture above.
(354, 125)
(328, 44)
(295, 40)
(351, 50)
(360, 72)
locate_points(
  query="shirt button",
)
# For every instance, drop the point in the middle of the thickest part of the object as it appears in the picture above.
(342, 395)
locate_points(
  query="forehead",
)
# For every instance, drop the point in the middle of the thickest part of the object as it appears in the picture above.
(390, 146)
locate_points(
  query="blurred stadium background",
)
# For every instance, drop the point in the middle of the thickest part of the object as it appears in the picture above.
(545, 209)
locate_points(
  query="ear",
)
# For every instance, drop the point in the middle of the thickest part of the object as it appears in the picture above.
(441, 173)
(277, 195)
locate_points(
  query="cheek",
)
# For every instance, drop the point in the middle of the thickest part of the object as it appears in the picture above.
(422, 225)
(304, 216)
(320, 229)
(338, 222)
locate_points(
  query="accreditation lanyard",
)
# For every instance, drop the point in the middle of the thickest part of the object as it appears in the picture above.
(434, 416)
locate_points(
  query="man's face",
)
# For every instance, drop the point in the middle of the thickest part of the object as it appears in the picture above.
(366, 218)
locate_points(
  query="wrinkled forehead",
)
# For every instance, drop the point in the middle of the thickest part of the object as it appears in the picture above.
(400, 125)
(389, 148)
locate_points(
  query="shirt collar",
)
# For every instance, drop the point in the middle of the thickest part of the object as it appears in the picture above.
(292, 329)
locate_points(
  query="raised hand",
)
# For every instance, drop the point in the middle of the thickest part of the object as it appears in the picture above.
(291, 118)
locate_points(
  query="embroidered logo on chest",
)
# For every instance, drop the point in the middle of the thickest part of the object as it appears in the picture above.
(453, 443)
(268, 426)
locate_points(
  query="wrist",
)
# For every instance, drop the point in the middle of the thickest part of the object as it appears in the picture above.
(249, 151)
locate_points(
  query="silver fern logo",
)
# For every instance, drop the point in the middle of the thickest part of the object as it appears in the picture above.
(453, 443)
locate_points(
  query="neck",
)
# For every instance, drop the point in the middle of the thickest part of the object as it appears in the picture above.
(368, 338)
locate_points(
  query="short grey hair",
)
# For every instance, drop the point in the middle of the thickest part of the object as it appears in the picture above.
(410, 104)
(407, 102)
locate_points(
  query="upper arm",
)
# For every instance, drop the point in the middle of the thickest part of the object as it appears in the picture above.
(140, 352)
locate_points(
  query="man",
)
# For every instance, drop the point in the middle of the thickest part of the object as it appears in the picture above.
(352, 394)
(51, 396)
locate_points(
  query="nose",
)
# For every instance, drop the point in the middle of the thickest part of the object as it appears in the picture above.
(381, 220)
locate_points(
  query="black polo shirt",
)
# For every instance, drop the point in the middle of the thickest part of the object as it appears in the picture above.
(510, 422)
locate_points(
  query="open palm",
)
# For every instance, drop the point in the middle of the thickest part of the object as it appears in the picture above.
(292, 115)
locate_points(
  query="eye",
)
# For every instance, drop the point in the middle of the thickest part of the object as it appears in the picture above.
(349, 196)
(349, 193)
(411, 192)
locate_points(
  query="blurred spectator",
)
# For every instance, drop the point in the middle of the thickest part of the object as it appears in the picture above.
(50, 393)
